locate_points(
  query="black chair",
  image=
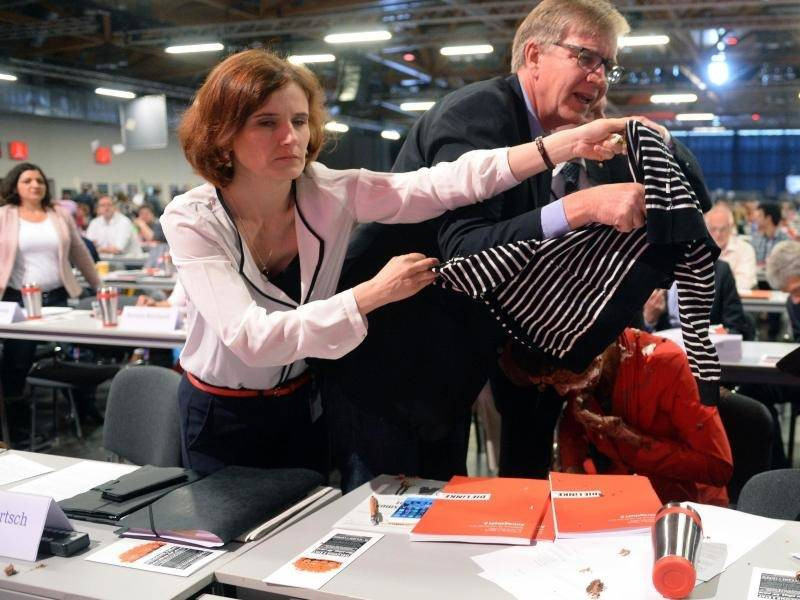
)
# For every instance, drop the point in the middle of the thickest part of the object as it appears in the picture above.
(142, 422)
(749, 426)
(774, 494)
(69, 378)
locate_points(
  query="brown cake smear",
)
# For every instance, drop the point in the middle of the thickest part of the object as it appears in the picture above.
(595, 588)
(624, 552)
(316, 565)
(137, 552)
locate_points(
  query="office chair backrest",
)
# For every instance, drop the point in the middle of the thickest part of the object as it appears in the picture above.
(748, 424)
(142, 423)
(774, 494)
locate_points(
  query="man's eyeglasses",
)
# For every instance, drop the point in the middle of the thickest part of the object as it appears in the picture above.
(590, 61)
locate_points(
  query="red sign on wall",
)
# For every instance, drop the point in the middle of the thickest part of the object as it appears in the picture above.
(17, 150)
(102, 155)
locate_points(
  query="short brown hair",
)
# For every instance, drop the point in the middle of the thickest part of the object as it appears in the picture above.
(549, 21)
(233, 90)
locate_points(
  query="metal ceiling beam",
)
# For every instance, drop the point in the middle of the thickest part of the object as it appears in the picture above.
(95, 77)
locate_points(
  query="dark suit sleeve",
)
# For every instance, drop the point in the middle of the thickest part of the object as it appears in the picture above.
(732, 315)
(794, 318)
(691, 169)
(496, 221)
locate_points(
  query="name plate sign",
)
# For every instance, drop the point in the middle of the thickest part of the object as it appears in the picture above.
(10, 312)
(23, 517)
(150, 318)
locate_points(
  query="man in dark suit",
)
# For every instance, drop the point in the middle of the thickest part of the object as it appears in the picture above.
(401, 401)
(726, 309)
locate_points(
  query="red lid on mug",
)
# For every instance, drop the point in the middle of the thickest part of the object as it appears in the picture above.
(674, 577)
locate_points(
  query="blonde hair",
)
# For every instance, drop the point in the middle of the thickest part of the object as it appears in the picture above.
(551, 19)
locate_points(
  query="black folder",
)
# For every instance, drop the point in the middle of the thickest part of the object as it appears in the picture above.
(137, 489)
(222, 506)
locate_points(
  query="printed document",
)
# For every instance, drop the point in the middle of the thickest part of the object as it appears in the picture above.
(14, 467)
(75, 479)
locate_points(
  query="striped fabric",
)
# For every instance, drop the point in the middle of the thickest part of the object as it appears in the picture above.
(569, 297)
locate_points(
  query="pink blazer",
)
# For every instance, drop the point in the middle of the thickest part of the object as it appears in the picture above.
(70, 248)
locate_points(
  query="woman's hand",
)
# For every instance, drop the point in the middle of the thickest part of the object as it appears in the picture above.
(402, 277)
(600, 139)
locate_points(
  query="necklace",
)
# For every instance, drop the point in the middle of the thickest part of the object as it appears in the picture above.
(250, 231)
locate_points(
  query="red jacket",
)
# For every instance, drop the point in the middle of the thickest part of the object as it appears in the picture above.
(685, 453)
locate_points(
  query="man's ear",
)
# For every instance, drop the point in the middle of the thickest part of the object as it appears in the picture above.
(532, 53)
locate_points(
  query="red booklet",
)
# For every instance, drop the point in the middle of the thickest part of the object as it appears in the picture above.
(488, 510)
(602, 504)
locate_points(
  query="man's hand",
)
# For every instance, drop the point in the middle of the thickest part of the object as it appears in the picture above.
(620, 205)
(654, 307)
(611, 426)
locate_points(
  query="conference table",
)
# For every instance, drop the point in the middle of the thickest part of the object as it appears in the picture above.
(397, 569)
(759, 301)
(140, 280)
(78, 579)
(80, 327)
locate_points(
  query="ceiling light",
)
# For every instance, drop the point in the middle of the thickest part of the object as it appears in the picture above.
(630, 41)
(189, 48)
(336, 126)
(115, 93)
(462, 50)
(390, 134)
(695, 117)
(302, 59)
(421, 105)
(672, 98)
(358, 36)
(7, 77)
(718, 71)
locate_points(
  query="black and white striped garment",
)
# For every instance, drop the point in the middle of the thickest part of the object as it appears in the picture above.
(570, 297)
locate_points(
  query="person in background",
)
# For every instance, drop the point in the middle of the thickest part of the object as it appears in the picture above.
(735, 251)
(259, 249)
(661, 309)
(110, 231)
(38, 241)
(783, 273)
(636, 409)
(768, 218)
(88, 198)
(148, 226)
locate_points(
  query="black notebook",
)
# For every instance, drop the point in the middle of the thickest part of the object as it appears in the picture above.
(137, 489)
(222, 506)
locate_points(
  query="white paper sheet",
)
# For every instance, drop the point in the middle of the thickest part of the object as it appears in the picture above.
(324, 559)
(565, 569)
(740, 532)
(14, 467)
(768, 584)
(157, 556)
(75, 479)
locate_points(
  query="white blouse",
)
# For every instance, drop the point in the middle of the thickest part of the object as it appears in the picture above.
(37, 257)
(245, 332)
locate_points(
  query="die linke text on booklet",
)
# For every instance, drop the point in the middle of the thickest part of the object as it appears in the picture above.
(602, 504)
(488, 510)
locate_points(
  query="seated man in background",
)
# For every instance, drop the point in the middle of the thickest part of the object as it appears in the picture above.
(148, 226)
(110, 231)
(636, 409)
(734, 250)
(770, 233)
(661, 310)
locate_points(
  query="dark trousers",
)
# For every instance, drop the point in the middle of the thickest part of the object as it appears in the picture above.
(529, 419)
(260, 432)
(18, 355)
(366, 445)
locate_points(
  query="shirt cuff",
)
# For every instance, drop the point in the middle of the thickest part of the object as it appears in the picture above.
(554, 220)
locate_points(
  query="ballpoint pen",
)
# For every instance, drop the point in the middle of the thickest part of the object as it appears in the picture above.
(374, 513)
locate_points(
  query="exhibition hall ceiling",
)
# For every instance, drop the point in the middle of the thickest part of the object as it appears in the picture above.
(739, 58)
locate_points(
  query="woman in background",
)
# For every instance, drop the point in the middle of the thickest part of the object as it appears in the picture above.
(38, 241)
